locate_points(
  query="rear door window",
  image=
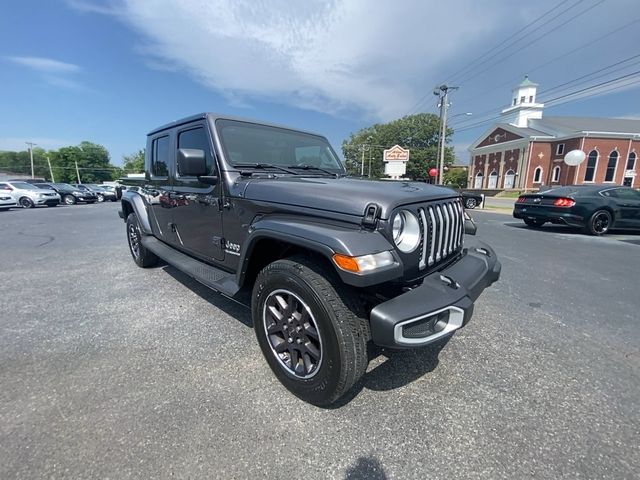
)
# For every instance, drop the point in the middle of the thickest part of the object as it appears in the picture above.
(160, 157)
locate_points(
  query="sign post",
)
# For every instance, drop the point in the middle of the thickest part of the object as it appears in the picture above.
(396, 159)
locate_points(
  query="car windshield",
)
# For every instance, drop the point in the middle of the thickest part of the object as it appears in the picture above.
(249, 144)
(24, 186)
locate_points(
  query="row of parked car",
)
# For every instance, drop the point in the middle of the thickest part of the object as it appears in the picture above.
(31, 193)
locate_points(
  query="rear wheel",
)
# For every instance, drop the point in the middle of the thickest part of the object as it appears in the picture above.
(26, 202)
(310, 328)
(599, 223)
(470, 203)
(143, 257)
(534, 223)
(69, 200)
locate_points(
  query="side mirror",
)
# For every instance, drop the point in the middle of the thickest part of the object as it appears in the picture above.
(191, 162)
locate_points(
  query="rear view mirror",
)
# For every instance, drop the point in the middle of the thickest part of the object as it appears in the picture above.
(191, 162)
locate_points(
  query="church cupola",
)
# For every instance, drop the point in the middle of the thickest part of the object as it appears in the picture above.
(523, 104)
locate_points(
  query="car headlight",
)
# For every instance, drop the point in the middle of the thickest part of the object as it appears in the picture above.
(406, 231)
(77, 193)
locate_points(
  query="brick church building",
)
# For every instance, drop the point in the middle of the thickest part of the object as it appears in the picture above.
(526, 151)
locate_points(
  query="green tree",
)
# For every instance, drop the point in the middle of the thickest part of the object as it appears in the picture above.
(93, 162)
(419, 133)
(456, 177)
(134, 163)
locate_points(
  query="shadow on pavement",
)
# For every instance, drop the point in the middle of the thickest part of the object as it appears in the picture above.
(368, 468)
(237, 309)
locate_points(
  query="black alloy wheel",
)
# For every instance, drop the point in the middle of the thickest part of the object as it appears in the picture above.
(599, 223)
(26, 202)
(292, 333)
(470, 203)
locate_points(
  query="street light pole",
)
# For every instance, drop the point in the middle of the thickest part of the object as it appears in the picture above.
(443, 92)
(31, 145)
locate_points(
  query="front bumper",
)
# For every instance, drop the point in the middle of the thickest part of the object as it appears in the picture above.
(438, 307)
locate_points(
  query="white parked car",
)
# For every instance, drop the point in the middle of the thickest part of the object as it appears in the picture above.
(6, 200)
(29, 196)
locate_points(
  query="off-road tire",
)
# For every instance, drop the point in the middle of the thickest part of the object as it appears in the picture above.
(143, 257)
(599, 223)
(340, 319)
(534, 223)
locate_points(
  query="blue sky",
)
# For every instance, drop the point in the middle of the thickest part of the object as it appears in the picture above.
(108, 72)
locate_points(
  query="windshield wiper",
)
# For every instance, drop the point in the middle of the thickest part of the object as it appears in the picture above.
(310, 167)
(263, 166)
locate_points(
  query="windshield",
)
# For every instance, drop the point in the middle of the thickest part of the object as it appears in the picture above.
(24, 186)
(247, 143)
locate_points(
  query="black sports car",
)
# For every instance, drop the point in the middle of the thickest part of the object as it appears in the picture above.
(595, 208)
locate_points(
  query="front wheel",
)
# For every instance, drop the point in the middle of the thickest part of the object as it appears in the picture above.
(470, 203)
(599, 223)
(310, 328)
(534, 223)
(69, 200)
(26, 202)
(100, 198)
(143, 257)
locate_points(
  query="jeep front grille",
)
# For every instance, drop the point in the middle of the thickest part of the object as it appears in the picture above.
(442, 226)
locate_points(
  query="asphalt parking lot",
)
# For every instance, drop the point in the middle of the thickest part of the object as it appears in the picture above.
(111, 371)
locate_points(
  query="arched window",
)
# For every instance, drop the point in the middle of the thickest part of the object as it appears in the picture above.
(555, 177)
(590, 172)
(611, 167)
(509, 179)
(478, 181)
(631, 161)
(493, 179)
(537, 175)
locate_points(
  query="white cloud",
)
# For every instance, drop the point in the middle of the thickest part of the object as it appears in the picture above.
(330, 56)
(45, 65)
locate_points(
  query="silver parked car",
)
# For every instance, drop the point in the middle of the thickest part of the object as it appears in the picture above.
(29, 196)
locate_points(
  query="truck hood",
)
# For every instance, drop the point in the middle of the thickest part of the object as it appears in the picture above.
(343, 195)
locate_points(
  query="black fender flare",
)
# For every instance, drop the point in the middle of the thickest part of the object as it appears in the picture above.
(326, 240)
(133, 201)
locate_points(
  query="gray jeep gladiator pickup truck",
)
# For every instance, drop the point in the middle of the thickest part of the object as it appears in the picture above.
(331, 262)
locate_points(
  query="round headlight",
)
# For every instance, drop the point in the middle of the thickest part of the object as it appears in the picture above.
(406, 231)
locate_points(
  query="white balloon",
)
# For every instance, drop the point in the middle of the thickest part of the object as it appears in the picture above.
(574, 157)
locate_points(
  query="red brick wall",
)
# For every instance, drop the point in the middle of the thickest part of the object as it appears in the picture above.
(604, 146)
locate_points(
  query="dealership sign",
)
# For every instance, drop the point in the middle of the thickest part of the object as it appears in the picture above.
(396, 159)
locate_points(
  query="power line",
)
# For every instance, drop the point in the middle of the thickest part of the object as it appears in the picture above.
(575, 82)
(513, 35)
(562, 56)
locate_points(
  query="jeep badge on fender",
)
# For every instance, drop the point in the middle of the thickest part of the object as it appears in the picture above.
(331, 262)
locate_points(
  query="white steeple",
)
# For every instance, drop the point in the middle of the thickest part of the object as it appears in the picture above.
(523, 104)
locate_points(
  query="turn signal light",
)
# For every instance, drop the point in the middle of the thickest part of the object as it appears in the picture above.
(564, 202)
(347, 263)
(520, 200)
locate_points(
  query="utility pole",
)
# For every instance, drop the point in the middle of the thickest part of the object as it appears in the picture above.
(31, 145)
(78, 172)
(443, 93)
(362, 163)
(50, 170)
(370, 160)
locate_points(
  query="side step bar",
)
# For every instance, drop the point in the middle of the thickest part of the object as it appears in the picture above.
(212, 277)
